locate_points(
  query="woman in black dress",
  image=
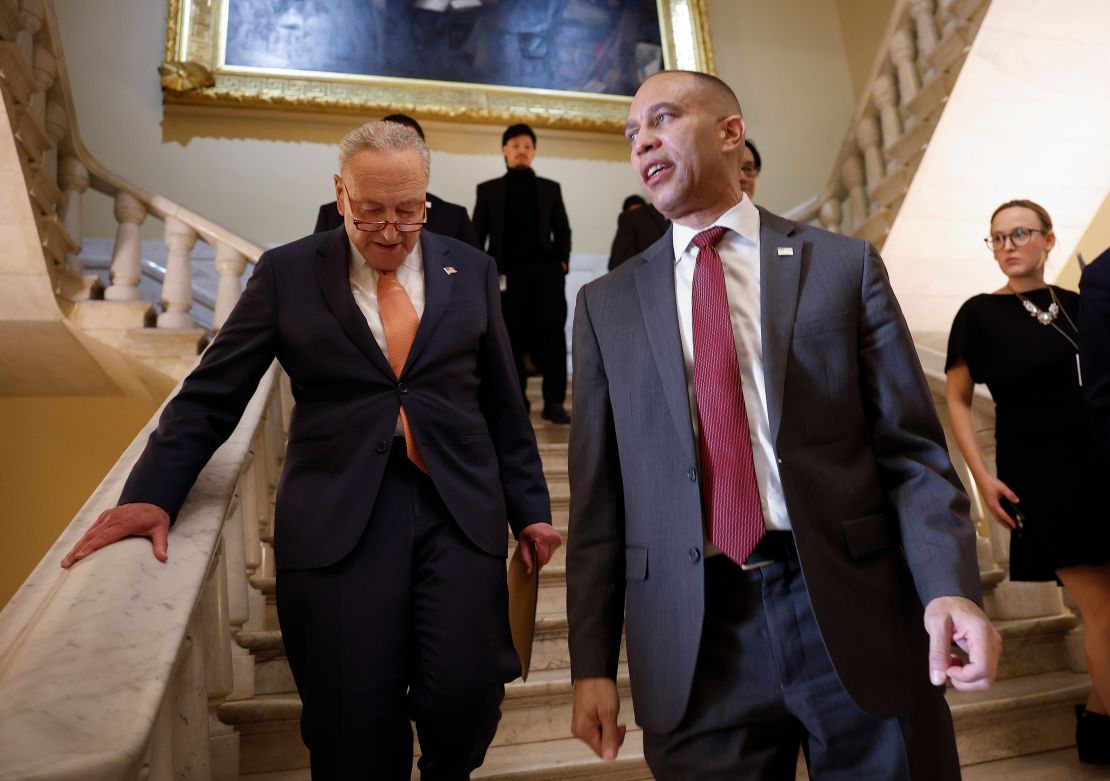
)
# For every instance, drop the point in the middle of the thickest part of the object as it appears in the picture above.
(1021, 341)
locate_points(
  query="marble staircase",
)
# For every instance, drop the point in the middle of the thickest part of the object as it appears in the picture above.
(1029, 710)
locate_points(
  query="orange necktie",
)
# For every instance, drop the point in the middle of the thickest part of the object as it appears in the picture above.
(400, 321)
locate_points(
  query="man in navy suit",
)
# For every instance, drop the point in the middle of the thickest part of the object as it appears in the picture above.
(409, 452)
(444, 218)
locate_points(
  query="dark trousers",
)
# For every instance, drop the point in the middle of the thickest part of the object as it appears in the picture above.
(535, 307)
(765, 686)
(412, 623)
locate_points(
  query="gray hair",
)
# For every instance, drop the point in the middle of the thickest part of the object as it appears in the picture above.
(386, 137)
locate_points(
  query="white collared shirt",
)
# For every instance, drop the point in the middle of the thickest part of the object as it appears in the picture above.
(739, 251)
(364, 287)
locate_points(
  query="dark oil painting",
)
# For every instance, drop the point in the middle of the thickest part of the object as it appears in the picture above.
(598, 46)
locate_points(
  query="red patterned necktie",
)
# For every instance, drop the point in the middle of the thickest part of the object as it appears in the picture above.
(730, 494)
(400, 322)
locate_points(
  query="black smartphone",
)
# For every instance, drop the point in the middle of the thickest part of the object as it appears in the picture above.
(1014, 512)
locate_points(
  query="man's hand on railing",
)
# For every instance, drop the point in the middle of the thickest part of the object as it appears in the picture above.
(128, 520)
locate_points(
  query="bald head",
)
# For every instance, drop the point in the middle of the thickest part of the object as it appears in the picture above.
(710, 89)
(685, 131)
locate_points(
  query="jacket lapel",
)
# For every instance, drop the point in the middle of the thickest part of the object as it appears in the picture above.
(438, 284)
(332, 274)
(655, 283)
(780, 268)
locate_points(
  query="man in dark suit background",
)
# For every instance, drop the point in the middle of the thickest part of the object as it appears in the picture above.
(523, 219)
(1094, 344)
(409, 452)
(444, 218)
(760, 493)
(638, 229)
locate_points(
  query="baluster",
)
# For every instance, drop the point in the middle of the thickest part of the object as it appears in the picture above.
(885, 97)
(923, 12)
(947, 19)
(177, 288)
(214, 631)
(230, 264)
(902, 55)
(868, 140)
(852, 174)
(127, 256)
(44, 72)
(831, 214)
(74, 179)
(56, 126)
(189, 740)
(32, 13)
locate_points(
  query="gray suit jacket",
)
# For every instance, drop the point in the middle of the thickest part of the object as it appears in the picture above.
(879, 515)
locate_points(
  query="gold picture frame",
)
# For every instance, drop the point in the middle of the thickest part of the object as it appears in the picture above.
(195, 73)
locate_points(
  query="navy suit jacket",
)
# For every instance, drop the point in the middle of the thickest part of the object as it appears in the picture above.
(879, 516)
(1094, 344)
(444, 218)
(458, 387)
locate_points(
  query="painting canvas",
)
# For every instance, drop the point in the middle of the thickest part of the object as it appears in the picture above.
(555, 63)
(599, 46)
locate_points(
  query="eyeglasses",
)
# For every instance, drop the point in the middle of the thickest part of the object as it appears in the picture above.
(1018, 237)
(749, 170)
(373, 226)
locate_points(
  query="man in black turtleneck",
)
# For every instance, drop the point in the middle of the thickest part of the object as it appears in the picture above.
(523, 219)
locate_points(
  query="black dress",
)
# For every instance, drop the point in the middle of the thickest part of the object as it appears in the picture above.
(1046, 453)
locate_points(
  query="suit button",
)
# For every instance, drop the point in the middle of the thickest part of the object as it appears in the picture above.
(693, 475)
(401, 387)
(382, 446)
(695, 555)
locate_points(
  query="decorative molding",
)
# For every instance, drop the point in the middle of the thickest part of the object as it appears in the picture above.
(194, 37)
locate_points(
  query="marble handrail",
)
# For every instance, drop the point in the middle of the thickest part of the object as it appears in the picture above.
(983, 419)
(108, 668)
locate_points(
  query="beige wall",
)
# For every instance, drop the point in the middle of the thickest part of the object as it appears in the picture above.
(55, 452)
(264, 174)
(1094, 242)
(862, 24)
(785, 60)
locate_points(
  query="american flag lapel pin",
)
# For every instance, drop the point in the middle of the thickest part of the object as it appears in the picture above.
(785, 251)
(449, 270)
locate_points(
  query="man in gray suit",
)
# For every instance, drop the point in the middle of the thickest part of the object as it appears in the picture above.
(760, 491)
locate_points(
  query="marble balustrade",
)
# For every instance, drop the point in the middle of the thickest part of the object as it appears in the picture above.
(916, 66)
(114, 669)
(60, 171)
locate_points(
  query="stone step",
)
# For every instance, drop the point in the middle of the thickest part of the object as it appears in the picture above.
(1017, 716)
(1059, 765)
(1034, 645)
(565, 759)
(532, 712)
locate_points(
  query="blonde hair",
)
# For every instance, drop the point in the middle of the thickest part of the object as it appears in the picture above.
(1036, 208)
(385, 137)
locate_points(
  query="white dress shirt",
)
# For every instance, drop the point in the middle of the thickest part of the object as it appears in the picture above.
(364, 287)
(739, 251)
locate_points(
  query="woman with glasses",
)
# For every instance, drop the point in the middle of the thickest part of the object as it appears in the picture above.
(1021, 341)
